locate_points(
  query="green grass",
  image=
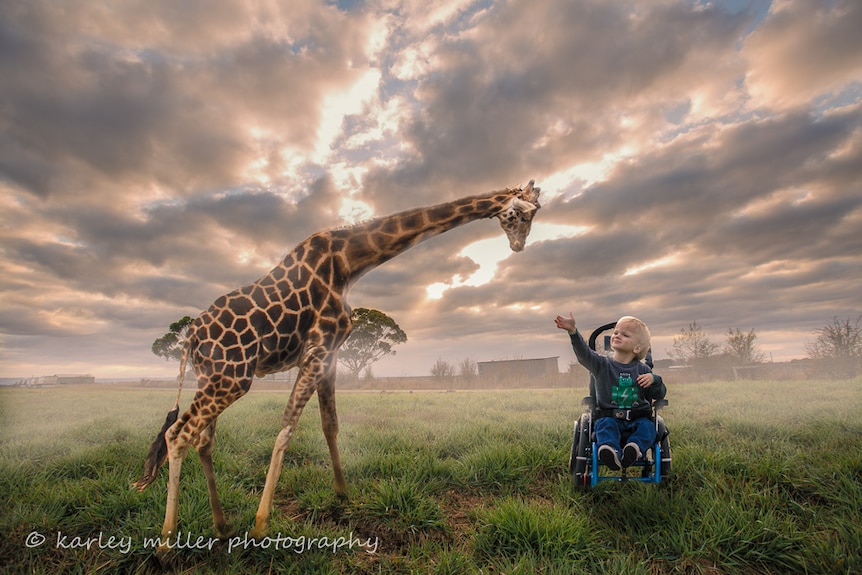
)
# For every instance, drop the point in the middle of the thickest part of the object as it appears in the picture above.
(767, 478)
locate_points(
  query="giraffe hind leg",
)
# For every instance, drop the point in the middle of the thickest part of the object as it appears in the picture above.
(192, 427)
(177, 445)
(205, 445)
(329, 420)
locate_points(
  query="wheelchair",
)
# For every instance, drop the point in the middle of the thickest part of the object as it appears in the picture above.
(584, 465)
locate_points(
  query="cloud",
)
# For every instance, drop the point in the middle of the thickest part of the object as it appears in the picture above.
(699, 162)
(804, 50)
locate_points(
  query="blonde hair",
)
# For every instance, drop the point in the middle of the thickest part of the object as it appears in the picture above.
(641, 333)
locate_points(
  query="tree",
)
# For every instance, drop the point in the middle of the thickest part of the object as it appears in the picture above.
(468, 369)
(740, 347)
(373, 337)
(692, 345)
(442, 369)
(170, 345)
(838, 346)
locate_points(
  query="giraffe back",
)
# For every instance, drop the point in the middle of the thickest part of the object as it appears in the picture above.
(264, 327)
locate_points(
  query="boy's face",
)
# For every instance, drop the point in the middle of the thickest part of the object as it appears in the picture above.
(626, 338)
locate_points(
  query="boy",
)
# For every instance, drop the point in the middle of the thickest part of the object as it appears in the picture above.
(623, 388)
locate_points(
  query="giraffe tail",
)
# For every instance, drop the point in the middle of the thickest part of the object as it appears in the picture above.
(158, 453)
(159, 449)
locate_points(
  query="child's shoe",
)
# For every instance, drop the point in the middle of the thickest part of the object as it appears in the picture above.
(631, 453)
(608, 456)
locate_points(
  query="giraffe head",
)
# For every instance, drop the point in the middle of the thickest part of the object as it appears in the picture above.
(516, 218)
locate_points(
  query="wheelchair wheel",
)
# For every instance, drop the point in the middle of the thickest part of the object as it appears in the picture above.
(666, 458)
(664, 444)
(581, 453)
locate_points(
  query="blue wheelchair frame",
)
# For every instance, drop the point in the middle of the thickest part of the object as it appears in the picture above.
(584, 467)
(654, 477)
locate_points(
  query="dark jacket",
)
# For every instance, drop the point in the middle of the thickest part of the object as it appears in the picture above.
(613, 385)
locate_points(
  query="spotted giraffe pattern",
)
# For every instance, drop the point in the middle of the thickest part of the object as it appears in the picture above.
(296, 315)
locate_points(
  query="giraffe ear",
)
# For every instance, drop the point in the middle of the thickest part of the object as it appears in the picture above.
(531, 193)
(523, 206)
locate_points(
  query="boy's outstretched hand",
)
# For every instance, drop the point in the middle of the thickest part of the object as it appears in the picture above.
(566, 323)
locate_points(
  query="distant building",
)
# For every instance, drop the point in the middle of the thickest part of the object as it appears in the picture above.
(60, 379)
(520, 368)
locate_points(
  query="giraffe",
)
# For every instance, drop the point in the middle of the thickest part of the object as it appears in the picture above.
(297, 315)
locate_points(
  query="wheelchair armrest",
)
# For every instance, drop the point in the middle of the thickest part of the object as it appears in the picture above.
(589, 402)
(659, 403)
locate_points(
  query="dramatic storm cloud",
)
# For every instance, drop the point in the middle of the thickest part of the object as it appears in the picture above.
(700, 161)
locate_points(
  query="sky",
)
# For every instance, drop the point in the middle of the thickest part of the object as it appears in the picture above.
(699, 162)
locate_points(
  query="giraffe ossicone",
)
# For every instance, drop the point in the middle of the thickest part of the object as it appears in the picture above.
(297, 315)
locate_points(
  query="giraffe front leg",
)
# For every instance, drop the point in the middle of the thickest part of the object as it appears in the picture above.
(298, 398)
(261, 518)
(314, 369)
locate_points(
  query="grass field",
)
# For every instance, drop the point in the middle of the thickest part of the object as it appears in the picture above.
(767, 478)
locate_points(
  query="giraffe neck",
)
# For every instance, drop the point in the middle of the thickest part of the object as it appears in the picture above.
(372, 243)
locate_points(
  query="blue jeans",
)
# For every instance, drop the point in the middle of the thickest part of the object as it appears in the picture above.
(609, 431)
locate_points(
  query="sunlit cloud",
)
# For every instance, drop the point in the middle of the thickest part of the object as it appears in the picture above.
(584, 174)
(415, 61)
(542, 231)
(651, 265)
(487, 255)
(340, 104)
(354, 211)
(765, 205)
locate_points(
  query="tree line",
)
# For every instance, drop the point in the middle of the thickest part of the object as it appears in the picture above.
(836, 348)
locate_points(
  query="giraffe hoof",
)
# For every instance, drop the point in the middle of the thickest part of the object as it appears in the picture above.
(224, 531)
(166, 557)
